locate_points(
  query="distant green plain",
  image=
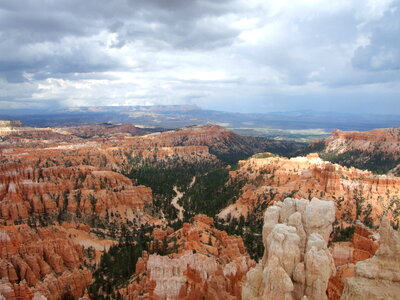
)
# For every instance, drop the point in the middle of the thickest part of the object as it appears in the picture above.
(298, 135)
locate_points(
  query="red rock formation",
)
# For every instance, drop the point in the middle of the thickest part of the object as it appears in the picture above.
(207, 263)
(26, 190)
(274, 178)
(113, 151)
(378, 277)
(378, 140)
(363, 245)
(376, 150)
(42, 261)
(54, 170)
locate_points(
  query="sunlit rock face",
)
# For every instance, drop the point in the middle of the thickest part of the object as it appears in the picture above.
(78, 169)
(376, 150)
(385, 140)
(296, 263)
(379, 276)
(207, 263)
(356, 193)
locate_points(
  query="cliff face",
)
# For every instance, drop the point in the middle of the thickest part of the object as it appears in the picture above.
(28, 191)
(378, 277)
(42, 262)
(206, 263)
(376, 150)
(378, 140)
(296, 263)
(355, 192)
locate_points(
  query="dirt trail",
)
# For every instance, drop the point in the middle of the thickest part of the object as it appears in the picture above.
(178, 196)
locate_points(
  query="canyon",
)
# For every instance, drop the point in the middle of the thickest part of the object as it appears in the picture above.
(189, 209)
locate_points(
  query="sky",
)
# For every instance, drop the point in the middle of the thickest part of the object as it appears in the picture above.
(232, 55)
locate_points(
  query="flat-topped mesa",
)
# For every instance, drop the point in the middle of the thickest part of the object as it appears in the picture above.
(10, 124)
(296, 263)
(378, 277)
(20, 134)
(382, 140)
(376, 150)
(10, 127)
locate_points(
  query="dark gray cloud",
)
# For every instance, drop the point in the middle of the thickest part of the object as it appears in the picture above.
(74, 52)
(49, 38)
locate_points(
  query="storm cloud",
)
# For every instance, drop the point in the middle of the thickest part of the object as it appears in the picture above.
(232, 54)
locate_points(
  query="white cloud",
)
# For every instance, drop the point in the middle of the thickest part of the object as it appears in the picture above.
(204, 51)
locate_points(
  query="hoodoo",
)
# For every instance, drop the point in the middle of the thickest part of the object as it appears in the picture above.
(296, 262)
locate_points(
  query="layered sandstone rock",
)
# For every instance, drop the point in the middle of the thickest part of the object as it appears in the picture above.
(378, 140)
(19, 131)
(207, 263)
(362, 246)
(356, 193)
(379, 276)
(113, 146)
(62, 172)
(296, 263)
(40, 263)
(27, 191)
(109, 146)
(9, 127)
(376, 150)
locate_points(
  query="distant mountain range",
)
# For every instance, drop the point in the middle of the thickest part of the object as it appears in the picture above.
(298, 125)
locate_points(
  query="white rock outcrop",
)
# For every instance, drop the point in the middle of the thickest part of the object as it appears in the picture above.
(296, 262)
(169, 273)
(379, 276)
